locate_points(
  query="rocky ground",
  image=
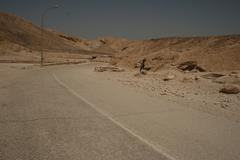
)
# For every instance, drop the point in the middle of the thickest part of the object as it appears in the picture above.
(198, 90)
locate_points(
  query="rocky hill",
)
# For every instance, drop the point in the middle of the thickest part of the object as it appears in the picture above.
(213, 53)
(22, 39)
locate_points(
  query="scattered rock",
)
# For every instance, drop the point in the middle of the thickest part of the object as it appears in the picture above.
(163, 94)
(212, 76)
(169, 77)
(147, 68)
(100, 69)
(224, 105)
(190, 66)
(111, 69)
(115, 69)
(93, 57)
(230, 89)
(196, 78)
(190, 78)
(234, 72)
(123, 49)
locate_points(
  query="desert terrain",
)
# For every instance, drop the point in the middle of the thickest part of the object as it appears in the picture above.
(218, 56)
(185, 105)
(22, 41)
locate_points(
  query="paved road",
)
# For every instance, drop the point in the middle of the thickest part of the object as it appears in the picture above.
(175, 129)
(40, 120)
(70, 112)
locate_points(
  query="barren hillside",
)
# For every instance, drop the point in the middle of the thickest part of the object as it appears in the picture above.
(22, 39)
(212, 53)
(19, 31)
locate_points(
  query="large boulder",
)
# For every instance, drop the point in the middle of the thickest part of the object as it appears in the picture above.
(190, 66)
(230, 89)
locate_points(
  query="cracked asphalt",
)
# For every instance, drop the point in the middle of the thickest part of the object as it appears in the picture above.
(40, 120)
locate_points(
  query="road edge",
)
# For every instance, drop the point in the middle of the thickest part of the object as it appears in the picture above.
(71, 91)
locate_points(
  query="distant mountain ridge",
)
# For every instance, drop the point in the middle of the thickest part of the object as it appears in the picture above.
(213, 52)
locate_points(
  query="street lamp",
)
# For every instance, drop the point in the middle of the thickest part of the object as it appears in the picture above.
(42, 28)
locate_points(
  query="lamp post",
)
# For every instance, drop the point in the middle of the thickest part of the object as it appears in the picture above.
(42, 28)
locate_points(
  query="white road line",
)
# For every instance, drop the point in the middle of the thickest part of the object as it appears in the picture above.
(113, 120)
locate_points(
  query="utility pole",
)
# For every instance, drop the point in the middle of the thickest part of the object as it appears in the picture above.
(42, 30)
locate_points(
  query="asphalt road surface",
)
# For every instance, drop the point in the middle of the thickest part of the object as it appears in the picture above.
(41, 120)
(73, 113)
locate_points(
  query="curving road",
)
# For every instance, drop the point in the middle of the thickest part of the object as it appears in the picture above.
(40, 120)
(73, 113)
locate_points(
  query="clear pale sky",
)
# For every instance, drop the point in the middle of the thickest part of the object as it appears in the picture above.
(133, 19)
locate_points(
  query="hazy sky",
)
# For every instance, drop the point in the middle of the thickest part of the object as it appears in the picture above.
(134, 19)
